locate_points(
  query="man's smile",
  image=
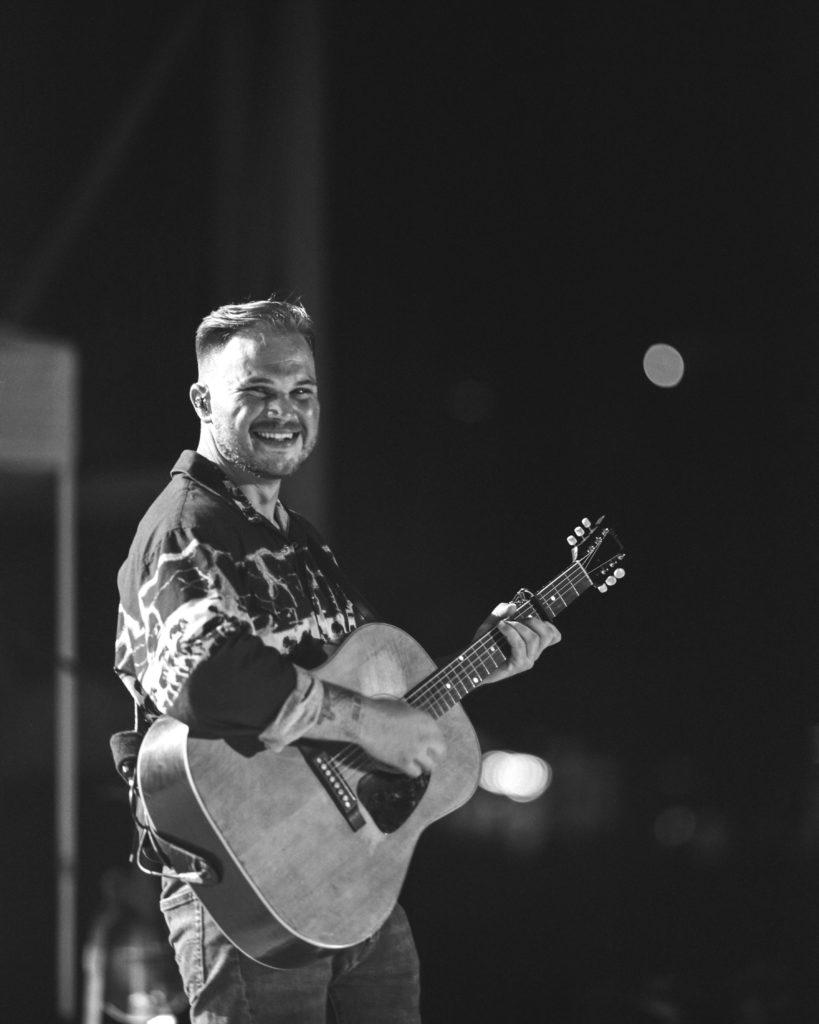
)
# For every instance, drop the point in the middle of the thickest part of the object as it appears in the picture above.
(276, 436)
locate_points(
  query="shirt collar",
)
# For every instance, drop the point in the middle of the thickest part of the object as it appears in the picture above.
(207, 474)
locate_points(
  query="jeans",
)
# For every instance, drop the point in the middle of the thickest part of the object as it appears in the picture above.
(374, 982)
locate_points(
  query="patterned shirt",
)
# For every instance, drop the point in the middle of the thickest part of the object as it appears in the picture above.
(222, 611)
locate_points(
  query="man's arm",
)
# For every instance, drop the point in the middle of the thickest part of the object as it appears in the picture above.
(393, 731)
(389, 730)
(189, 644)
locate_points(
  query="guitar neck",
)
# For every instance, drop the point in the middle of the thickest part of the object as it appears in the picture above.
(466, 672)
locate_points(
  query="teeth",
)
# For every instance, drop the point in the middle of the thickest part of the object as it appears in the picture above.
(270, 435)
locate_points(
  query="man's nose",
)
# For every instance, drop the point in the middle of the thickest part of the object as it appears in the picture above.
(280, 406)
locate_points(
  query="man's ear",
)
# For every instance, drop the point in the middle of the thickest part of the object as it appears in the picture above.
(201, 401)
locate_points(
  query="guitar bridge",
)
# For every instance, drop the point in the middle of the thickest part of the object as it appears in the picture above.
(334, 782)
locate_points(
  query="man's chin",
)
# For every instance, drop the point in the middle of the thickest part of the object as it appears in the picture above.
(267, 465)
(276, 469)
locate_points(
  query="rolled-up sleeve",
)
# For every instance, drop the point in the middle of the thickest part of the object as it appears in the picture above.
(300, 711)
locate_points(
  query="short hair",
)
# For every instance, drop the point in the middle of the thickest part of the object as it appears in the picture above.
(223, 323)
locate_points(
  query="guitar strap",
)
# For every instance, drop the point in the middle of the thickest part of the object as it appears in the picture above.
(152, 853)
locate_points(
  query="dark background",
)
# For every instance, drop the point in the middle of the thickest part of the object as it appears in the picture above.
(508, 203)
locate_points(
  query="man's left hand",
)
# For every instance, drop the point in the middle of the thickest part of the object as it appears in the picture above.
(527, 639)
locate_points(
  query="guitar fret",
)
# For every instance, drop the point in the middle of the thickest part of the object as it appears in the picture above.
(563, 590)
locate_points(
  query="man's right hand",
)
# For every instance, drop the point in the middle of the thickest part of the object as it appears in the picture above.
(390, 731)
(401, 736)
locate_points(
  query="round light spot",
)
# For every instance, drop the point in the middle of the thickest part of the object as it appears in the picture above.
(520, 777)
(663, 365)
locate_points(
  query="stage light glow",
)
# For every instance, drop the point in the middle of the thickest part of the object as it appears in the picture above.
(520, 777)
(663, 365)
(162, 1018)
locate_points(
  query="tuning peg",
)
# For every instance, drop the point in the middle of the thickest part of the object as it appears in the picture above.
(586, 522)
(610, 580)
(619, 573)
(571, 539)
(602, 588)
(580, 531)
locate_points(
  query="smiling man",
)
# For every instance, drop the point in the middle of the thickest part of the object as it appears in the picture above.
(229, 601)
(257, 398)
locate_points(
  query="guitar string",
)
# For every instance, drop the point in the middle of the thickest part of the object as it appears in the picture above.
(429, 695)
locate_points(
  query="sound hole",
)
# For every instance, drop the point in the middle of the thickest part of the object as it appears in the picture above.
(391, 797)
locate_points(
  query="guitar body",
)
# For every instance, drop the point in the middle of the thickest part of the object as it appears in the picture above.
(296, 879)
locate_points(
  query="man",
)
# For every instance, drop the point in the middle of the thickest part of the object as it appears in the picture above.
(228, 600)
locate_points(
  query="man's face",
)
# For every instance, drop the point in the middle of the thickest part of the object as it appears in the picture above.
(263, 403)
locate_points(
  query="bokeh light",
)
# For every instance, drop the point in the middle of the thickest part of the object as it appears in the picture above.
(520, 777)
(663, 365)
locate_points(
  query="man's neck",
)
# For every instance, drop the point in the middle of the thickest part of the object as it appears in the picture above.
(263, 495)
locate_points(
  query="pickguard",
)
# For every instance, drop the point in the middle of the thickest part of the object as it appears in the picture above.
(391, 797)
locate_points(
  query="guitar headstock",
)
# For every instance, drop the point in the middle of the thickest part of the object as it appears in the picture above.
(596, 548)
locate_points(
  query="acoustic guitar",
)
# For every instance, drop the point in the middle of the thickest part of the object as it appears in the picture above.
(306, 849)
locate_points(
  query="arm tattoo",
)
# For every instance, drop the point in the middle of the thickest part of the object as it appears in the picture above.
(327, 714)
(334, 696)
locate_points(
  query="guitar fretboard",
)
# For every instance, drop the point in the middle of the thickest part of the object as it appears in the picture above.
(450, 684)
